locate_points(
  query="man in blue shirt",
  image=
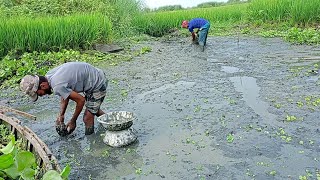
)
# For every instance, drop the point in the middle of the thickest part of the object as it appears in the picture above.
(202, 25)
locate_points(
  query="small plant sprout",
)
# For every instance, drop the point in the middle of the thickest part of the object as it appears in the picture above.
(284, 136)
(139, 171)
(248, 127)
(207, 133)
(197, 109)
(124, 93)
(129, 150)
(311, 142)
(230, 138)
(299, 104)
(277, 105)
(106, 153)
(293, 118)
(273, 173)
(189, 118)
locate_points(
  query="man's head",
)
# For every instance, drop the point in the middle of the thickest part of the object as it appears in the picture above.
(185, 24)
(35, 86)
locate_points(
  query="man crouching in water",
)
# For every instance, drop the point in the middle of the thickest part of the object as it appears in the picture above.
(67, 81)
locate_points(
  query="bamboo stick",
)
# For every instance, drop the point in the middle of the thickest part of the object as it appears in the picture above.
(4, 109)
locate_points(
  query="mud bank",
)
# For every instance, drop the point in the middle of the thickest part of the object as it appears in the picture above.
(246, 108)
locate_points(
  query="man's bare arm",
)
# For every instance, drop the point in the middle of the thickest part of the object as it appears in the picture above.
(63, 107)
(80, 100)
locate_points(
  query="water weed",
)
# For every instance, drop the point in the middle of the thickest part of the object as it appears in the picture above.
(230, 138)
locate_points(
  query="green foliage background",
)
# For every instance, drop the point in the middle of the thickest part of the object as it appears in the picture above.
(33, 27)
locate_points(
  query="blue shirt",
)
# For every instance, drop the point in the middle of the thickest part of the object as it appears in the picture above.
(197, 23)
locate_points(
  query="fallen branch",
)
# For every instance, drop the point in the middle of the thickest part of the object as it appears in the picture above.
(308, 58)
(4, 109)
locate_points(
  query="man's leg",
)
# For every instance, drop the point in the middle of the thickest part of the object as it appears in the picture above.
(88, 119)
(99, 113)
(205, 39)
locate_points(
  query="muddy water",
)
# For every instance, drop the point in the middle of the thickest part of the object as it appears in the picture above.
(220, 114)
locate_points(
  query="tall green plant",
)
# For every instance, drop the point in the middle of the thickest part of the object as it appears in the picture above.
(294, 11)
(120, 12)
(53, 33)
(159, 23)
(35, 8)
(124, 12)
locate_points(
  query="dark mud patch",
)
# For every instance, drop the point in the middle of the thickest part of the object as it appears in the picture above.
(244, 109)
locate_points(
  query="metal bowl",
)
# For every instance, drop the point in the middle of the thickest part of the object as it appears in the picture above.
(116, 121)
(120, 138)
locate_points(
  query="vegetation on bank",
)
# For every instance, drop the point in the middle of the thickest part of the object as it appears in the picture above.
(17, 163)
(295, 12)
(33, 32)
(160, 23)
(295, 20)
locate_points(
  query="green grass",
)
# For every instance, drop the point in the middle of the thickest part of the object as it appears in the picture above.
(58, 24)
(160, 23)
(53, 33)
(302, 12)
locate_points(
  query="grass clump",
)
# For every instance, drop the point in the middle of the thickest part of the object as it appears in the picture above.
(53, 33)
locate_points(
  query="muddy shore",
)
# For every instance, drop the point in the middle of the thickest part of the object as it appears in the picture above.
(245, 108)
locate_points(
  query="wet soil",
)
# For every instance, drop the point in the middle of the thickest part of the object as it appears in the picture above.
(245, 108)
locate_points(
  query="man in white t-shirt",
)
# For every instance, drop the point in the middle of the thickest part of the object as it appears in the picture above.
(67, 81)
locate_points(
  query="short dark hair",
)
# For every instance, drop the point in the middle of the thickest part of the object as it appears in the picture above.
(41, 80)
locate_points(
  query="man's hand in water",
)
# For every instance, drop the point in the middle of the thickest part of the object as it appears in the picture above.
(71, 126)
(61, 127)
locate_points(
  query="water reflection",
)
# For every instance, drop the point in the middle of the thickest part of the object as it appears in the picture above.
(249, 89)
(89, 158)
(230, 69)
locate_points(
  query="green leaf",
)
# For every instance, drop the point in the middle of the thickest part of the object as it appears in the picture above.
(24, 159)
(65, 172)
(51, 175)
(28, 174)
(6, 160)
(1, 178)
(2, 175)
(9, 147)
(12, 171)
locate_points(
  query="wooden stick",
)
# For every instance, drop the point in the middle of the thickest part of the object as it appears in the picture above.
(308, 58)
(7, 109)
(39, 148)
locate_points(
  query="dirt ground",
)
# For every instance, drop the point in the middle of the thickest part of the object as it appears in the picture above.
(245, 108)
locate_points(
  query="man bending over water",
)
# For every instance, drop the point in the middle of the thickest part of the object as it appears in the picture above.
(67, 81)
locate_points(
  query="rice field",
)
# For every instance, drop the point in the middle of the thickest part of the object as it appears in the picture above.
(295, 11)
(45, 33)
(159, 23)
(28, 34)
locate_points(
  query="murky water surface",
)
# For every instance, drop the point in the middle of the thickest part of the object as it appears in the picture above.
(220, 114)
